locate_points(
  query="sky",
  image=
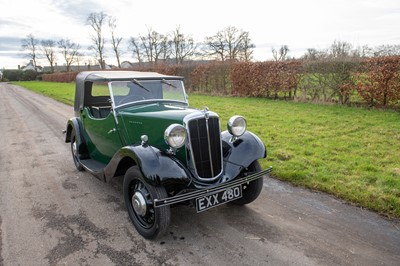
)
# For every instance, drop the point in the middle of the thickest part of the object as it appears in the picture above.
(299, 24)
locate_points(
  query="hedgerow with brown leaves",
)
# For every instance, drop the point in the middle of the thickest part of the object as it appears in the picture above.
(266, 79)
(60, 77)
(379, 82)
(371, 81)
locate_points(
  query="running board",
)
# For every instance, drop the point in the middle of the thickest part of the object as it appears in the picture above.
(94, 167)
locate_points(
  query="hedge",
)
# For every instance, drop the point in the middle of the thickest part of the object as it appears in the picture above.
(370, 81)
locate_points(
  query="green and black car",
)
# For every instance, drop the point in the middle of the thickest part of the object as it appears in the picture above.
(139, 125)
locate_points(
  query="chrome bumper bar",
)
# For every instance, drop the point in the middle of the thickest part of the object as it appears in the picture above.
(210, 190)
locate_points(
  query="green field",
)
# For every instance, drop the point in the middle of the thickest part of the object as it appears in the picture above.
(348, 152)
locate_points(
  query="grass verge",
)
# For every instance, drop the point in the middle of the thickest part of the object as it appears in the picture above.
(62, 92)
(351, 153)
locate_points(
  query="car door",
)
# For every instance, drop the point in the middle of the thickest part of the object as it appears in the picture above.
(101, 134)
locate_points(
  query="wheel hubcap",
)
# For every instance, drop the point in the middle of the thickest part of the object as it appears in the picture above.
(139, 203)
(74, 148)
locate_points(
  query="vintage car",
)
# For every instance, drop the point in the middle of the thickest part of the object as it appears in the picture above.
(139, 125)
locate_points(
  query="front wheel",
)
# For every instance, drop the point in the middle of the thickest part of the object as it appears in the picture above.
(139, 197)
(253, 189)
(75, 152)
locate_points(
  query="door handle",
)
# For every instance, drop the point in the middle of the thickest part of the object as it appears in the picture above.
(111, 131)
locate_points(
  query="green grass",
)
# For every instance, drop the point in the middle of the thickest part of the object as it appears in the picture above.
(352, 153)
(63, 92)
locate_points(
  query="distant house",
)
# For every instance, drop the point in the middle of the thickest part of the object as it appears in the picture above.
(1, 75)
(30, 66)
(107, 66)
(75, 68)
(72, 68)
(137, 65)
(127, 64)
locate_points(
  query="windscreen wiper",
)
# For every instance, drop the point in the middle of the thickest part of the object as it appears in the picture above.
(168, 83)
(135, 81)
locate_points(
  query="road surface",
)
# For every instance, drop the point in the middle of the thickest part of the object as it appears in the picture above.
(51, 214)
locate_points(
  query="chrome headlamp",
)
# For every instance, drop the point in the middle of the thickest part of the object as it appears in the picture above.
(175, 136)
(237, 125)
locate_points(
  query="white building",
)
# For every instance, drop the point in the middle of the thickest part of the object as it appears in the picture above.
(30, 66)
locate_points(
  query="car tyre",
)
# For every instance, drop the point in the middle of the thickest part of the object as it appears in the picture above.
(253, 189)
(75, 152)
(150, 222)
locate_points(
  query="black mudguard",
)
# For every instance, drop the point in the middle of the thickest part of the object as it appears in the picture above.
(75, 124)
(157, 168)
(239, 153)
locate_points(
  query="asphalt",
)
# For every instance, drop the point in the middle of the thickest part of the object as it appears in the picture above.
(51, 214)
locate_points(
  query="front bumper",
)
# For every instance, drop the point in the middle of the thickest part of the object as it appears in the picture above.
(205, 191)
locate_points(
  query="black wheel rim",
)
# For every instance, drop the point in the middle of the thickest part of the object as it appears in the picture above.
(146, 221)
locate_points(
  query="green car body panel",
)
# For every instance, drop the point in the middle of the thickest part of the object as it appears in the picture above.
(153, 120)
(101, 140)
(110, 136)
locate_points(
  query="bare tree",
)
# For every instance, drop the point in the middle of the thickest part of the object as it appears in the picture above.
(246, 48)
(48, 47)
(329, 73)
(386, 50)
(70, 52)
(78, 59)
(182, 47)
(115, 41)
(30, 44)
(230, 44)
(96, 21)
(281, 54)
(216, 46)
(311, 54)
(362, 51)
(165, 49)
(234, 39)
(340, 49)
(154, 45)
(134, 46)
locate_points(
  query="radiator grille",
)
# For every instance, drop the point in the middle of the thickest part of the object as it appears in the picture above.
(206, 146)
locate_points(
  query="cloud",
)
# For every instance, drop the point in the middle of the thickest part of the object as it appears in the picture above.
(298, 24)
(78, 10)
(6, 24)
(10, 43)
(12, 54)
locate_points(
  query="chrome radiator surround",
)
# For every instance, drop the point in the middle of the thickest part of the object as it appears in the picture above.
(204, 146)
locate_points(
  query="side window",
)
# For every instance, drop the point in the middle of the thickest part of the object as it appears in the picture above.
(100, 89)
(98, 101)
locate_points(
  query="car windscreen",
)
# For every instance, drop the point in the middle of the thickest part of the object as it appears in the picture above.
(136, 91)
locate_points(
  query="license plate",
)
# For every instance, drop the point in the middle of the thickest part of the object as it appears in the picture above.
(212, 200)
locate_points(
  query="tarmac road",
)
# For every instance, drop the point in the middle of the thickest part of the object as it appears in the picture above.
(51, 214)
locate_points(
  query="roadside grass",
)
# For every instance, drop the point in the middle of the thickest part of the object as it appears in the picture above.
(352, 153)
(62, 92)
